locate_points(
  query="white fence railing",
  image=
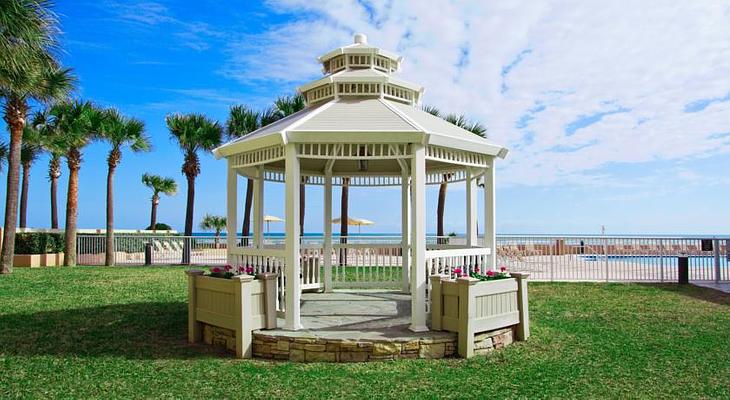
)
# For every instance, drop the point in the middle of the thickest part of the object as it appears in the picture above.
(599, 258)
(370, 261)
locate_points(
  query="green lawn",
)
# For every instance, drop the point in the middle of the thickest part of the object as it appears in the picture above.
(96, 332)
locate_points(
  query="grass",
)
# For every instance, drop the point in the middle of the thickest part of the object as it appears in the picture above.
(98, 333)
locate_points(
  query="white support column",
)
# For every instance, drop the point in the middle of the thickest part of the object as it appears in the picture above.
(258, 208)
(490, 226)
(327, 231)
(471, 208)
(292, 320)
(231, 215)
(418, 239)
(405, 231)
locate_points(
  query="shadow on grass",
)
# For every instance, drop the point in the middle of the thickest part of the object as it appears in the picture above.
(695, 292)
(134, 331)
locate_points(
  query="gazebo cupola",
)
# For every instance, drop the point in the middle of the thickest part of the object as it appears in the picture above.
(362, 127)
(360, 70)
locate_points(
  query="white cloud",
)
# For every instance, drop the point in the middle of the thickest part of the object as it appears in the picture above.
(533, 68)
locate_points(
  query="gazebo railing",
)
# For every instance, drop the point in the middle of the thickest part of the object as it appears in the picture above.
(446, 261)
(365, 265)
(262, 261)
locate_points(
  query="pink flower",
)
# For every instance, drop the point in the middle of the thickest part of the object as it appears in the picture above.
(476, 268)
(457, 271)
(503, 268)
(240, 269)
(216, 270)
(249, 270)
(490, 273)
(228, 267)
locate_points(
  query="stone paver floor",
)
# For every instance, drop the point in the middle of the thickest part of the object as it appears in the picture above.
(357, 315)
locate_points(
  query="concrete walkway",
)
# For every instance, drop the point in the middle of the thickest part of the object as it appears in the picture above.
(722, 286)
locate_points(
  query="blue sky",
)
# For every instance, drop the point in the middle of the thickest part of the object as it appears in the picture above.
(615, 115)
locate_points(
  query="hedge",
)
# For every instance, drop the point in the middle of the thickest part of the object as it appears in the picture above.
(39, 243)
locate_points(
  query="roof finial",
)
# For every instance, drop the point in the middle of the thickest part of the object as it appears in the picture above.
(360, 38)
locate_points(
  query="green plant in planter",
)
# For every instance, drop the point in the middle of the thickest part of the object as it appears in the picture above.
(491, 275)
(227, 271)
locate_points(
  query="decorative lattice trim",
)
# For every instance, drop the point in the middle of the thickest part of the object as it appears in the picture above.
(452, 156)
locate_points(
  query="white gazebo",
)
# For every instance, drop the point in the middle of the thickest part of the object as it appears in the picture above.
(362, 126)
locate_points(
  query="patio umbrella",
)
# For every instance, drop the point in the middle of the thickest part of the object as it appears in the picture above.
(269, 219)
(355, 221)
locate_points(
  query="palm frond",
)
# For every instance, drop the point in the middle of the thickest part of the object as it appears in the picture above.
(242, 120)
(160, 184)
(433, 110)
(120, 131)
(194, 132)
(213, 222)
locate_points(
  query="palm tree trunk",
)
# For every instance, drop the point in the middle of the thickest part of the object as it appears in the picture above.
(153, 212)
(246, 229)
(72, 205)
(54, 172)
(189, 218)
(440, 210)
(15, 113)
(109, 252)
(54, 203)
(344, 200)
(24, 195)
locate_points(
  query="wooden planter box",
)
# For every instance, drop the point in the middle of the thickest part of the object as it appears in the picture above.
(240, 304)
(469, 306)
(38, 260)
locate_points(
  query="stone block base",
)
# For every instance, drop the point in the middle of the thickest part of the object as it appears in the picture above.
(316, 349)
(217, 336)
(485, 342)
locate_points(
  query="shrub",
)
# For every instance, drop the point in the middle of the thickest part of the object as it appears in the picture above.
(159, 227)
(39, 243)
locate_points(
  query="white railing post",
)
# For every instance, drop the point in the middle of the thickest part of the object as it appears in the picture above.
(490, 226)
(471, 209)
(258, 208)
(716, 254)
(327, 231)
(231, 205)
(292, 248)
(605, 254)
(418, 239)
(405, 233)
(661, 260)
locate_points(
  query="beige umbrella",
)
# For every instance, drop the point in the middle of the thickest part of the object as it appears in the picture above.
(269, 219)
(355, 221)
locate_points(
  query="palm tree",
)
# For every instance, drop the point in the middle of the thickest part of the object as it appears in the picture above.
(158, 184)
(77, 123)
(242, 121)
(285, 106)
(28, 72)
(119, 131)
(193, 133)
(29, 152)
(214, 223)
(475, 128)
(50, 144)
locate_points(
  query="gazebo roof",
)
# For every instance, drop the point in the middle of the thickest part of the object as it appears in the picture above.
(364, 121)
(359, 101)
